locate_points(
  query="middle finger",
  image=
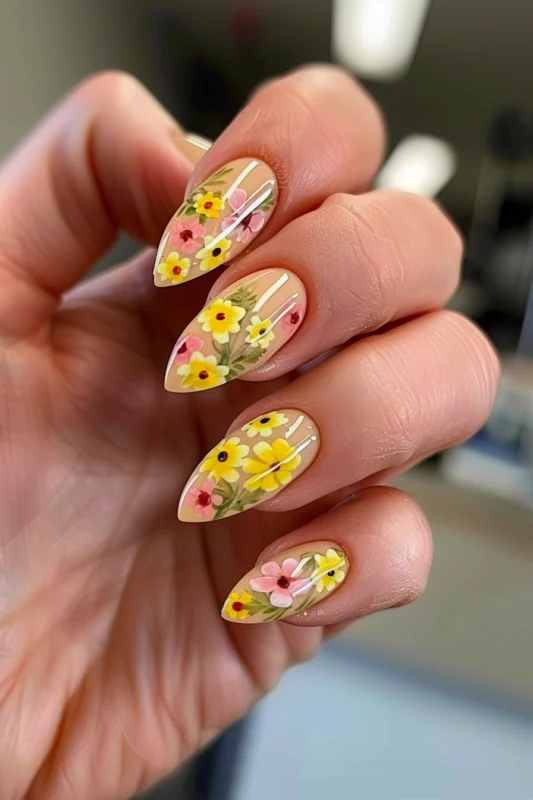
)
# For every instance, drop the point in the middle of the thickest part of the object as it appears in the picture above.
(350, 267)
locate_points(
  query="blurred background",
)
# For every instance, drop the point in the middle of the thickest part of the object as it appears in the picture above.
(434, 700)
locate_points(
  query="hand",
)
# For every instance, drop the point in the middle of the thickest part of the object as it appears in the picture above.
(115, 663)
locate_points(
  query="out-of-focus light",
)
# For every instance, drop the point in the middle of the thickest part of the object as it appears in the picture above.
(377, 38)
(419, 164)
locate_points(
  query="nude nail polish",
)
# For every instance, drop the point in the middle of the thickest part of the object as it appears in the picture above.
(237, 331)
(251, 464)
(216, 222)
(287, 584)
(192, 146)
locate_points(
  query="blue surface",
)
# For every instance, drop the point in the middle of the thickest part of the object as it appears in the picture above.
(343, 727)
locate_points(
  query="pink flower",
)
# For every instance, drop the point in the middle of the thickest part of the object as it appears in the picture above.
(279, 583)
(188, 235)
(251, 223)
(292, 318)
(185, 347)
(203, 500)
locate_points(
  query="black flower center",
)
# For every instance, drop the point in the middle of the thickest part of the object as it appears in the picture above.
(222, 456)
(262, 331)
(264, 420)
(275, 466)
(294, 318)
(217, 251)
(283, 582)
(331, 573)
(203, 375)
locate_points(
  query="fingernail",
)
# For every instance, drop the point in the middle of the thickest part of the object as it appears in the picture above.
(288, 584)
(216, 221)
(192, 146)
(252, 464)
(237, 331)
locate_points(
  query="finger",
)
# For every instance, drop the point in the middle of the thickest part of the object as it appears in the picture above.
(388, 255)
(378, 404)
(104, 160)
(370, 554)
(300, 139)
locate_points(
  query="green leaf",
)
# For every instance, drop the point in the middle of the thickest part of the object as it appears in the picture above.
(217, 183)
(203, 219)
(311, 554)
(248, 497)
(245, 297)
(224, 355)
(252, 355)
(219, 174)
(277, 615)
(218, 194)
(189, 211)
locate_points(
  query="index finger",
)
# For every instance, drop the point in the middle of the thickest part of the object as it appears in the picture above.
(299, 140)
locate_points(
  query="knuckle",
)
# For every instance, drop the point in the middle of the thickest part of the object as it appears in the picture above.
(483, 365)
(397, 407)
(369, 230)
(406, 544)
(109, 87)
(413, 554)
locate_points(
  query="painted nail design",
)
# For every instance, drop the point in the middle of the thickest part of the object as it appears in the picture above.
(250, 465)
(216, 221)
(287, 585)
(236, 331)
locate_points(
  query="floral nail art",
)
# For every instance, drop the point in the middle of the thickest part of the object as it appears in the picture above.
(287, 585)
(216, 221)
(252, 464)
(237, 331)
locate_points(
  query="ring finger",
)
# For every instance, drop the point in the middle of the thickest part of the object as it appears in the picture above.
(379, 404)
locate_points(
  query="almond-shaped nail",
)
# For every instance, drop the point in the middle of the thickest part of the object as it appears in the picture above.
(192, 146)
(250, 465)
(237, 331)
(216, 221)
(287, 584)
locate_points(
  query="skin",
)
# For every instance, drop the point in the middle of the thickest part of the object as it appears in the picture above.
(114, 662)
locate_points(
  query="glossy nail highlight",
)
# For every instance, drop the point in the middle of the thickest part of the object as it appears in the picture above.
(216, 221)
(288, 584)
(252, 464)
(237, 331)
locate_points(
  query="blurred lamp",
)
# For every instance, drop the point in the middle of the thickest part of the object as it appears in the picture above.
(377, 38)
(419, 164)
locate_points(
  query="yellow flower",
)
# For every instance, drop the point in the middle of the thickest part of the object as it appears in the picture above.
(212, 257)
(278, 461)
(222, 460)
(260, 332)
(328, 573)
(263, 426)
(221, 319)
(174, 268)
(235, 605)
(202, 372)
(209, 205)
